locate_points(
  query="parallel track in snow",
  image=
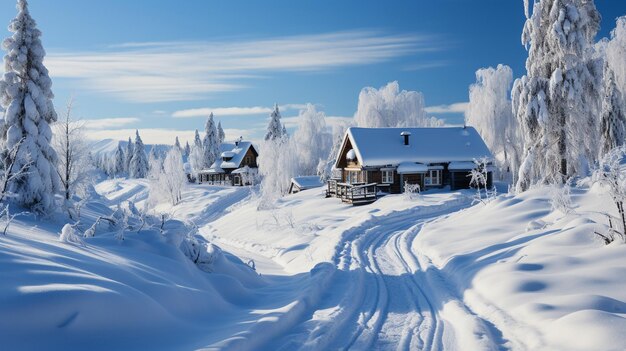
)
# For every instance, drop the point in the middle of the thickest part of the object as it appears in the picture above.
(382, 298)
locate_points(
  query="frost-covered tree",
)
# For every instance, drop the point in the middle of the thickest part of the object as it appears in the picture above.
(155, 164)
(187, 150)
(612, 174)
(118, 162)
(489, 111)
(74, 166)
(138, 167)
(221, 136)
(557, 101)
(390, 107)
(613, 116)
(177, 144)
(277, 165)
(312, 140)
(196, 156)
(129, 155)
(339, 131)
(26, 96)
(210, 143)
(172, 179)
(275, 130)
(616, 52)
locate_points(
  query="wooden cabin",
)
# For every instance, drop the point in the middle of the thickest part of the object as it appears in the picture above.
(372, 160)
(236, 166)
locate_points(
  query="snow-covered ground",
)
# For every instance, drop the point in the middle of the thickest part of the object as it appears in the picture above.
(429, 273)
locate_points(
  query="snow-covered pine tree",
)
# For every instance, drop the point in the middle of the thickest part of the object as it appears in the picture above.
(489, 111)
(139, 162)
(274, 128)
(177, 144)
(187, 150)
(196, 156)
(210, 143)
(221, 136)
(26, 96)
(557, 101)
(129, 155)
(285, 131)
(118, 161)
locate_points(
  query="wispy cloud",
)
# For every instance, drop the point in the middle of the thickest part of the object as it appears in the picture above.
(459, 107)
(292, 122)
(104, 123)
(233, 111)
(185, 71)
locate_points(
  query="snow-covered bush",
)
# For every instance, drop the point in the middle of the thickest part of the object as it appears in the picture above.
(612, 174)
(480, 180)
(6, 218)
(560, 198)
(411, 191)
(69, 235)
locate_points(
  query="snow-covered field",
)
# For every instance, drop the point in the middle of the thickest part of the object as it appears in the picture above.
(430, 273)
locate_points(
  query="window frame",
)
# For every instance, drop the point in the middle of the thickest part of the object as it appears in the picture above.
(387, 176)
(429, 180)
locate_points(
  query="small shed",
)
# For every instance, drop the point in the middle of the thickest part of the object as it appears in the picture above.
(299, 184)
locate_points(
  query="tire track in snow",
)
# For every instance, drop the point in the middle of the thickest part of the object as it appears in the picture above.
(388, 290)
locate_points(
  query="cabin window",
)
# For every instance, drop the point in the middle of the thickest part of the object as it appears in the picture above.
(387, 177)
(248, 160)
(433, 177)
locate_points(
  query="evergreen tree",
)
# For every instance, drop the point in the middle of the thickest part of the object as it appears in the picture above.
(275, 128)
(221, 136)
(557, 101)
(177, 144)
(118, 161)
(210, 143)
(26, 96)
(138, 167)
(196, 159)
(187, 150)
(129, 155)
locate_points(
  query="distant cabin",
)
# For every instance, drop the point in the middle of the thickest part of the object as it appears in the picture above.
(385, 159)
(299, 184)
(236, 166)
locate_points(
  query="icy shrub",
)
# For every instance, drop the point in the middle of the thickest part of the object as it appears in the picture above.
(560, 198)
(612, 173)
(69, 235)
(411, 191)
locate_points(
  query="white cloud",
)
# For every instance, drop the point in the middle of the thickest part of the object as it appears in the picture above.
(233, 111)
(184, 71)
(459, 107)
(104, 123)
(292, 122)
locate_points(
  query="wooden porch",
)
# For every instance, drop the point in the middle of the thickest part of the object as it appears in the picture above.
(355, 194)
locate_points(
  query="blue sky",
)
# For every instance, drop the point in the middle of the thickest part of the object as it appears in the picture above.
(160, 65)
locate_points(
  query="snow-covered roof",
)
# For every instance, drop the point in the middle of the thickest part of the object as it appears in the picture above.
(307, 182)
(241, 170)
(228, 154)
(409, 168)
(461, 166)
(385, 146)
(237, 151)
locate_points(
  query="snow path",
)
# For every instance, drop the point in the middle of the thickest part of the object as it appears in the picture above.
(384, 296)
